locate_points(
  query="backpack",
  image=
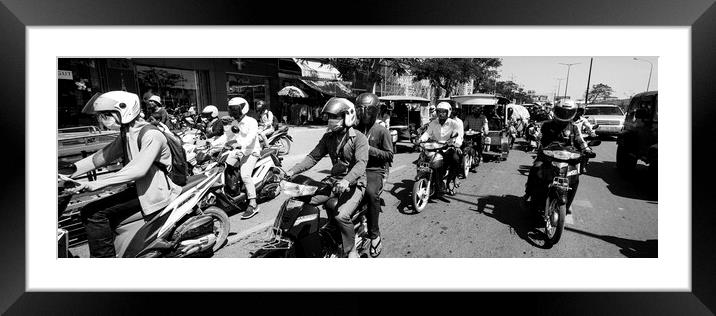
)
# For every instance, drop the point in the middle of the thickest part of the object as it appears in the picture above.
(180, 168)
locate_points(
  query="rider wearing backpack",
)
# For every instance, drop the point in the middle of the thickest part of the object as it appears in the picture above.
(148, 162)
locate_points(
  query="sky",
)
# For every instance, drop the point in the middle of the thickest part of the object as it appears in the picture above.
(624, 74)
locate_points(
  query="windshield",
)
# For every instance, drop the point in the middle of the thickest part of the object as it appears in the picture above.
(603, 110)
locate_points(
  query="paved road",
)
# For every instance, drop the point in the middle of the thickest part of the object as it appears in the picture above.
(613, 216)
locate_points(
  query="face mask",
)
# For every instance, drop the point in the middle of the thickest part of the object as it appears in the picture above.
(109, 121)
(335, 125)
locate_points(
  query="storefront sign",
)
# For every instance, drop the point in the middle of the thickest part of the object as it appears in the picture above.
(64, 74)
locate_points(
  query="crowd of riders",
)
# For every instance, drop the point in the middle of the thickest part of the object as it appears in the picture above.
(356, 140)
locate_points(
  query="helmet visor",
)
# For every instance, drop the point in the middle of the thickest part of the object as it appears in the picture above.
(564, 114)
(89, 106)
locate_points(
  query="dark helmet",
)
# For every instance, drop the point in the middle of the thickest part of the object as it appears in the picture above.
(368, 105)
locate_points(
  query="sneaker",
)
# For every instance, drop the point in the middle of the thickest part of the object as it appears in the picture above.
(250, 212)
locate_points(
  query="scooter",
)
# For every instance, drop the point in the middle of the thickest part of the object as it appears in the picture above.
(470, 149)
(187, 227)
(533, 136)
(280, 139)
(297, 232)
(560, 167)
(426, 180)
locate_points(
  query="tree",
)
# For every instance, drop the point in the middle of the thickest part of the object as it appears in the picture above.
(369, 69)
(600, 91)
(445, 74)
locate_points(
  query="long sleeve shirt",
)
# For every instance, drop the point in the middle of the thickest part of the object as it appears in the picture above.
(247, 137)
(567, 135)
(460, 130)
(442, 132)
(476, 123)
(349, 156)
(154, 188)
(380, 154)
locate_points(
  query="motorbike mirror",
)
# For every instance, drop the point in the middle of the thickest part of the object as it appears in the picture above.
(235, 129)
(595, 142)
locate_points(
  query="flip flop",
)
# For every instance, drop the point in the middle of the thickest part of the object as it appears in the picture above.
(376, 250)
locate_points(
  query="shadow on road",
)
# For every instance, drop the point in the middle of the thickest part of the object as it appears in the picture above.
(629, 247)
(635, 186)
(510, 210)
(402, 192)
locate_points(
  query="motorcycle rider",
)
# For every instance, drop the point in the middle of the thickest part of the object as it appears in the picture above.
(210, 117)
(265, 121)
(455, 115)
(443, 129)
(248, 151)
(156, 110)
(348, 149)
(477, 121)
(119, 110)
(586, 129)
(561, 129)
(380, 155)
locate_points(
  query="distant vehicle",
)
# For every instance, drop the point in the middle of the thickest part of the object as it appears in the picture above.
(404, 115)
(609, 117)
(638, 140)
(496, 143)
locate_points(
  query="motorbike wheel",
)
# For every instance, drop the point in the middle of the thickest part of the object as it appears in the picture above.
(467, 165)
(284, 146)
(555, 214)
(421, 194)
(221, 225)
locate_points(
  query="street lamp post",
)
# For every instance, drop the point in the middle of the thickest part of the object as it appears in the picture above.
(651, 67)
(569, 66)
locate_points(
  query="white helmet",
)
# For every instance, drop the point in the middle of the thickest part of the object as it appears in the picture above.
(565, 110)
(212, 110)
(444, 106)
(156, 98)
(241, 103)
(125, 104)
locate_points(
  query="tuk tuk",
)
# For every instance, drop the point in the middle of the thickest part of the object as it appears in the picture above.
(405, 115)
(496, 144)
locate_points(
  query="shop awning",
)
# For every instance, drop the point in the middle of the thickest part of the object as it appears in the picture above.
(314, 69)
(334, 88)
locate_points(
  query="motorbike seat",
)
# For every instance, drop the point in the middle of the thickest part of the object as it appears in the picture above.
(193, 181)
(267, 152)
(133, 218)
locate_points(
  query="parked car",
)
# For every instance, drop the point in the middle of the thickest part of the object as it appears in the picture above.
(638, 140)
(609, 117)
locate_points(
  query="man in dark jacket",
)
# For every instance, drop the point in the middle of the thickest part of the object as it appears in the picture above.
(380, 156)
(348, 149)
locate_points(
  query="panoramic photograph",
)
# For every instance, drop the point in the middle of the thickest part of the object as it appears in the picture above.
(320, 157)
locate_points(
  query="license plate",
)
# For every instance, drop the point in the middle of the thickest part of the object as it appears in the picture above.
(423, 165)
(574, 171)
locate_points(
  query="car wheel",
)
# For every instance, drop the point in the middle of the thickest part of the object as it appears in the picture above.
(625, 162)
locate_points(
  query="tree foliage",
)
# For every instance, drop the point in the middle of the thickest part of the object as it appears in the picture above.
(371, 70)
(600, 91)
(512, 91)
(445, 74)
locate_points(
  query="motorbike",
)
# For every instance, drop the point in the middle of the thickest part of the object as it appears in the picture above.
(279, 139)
(560, 167)
(297, 232)
(470, 149)
(187, 227)
(512, 133)
(426, 182)
(533, 136)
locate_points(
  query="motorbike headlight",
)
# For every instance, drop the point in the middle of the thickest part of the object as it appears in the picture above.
(487, 140)
(295, 190)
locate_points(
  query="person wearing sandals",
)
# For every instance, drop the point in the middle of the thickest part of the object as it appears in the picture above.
(380, 155)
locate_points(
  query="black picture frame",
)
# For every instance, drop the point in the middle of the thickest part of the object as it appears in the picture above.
(16, 15)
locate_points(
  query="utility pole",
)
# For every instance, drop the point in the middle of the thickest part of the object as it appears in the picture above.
(650, 69)
(589, 78)
(559, 84)
(569, 66)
